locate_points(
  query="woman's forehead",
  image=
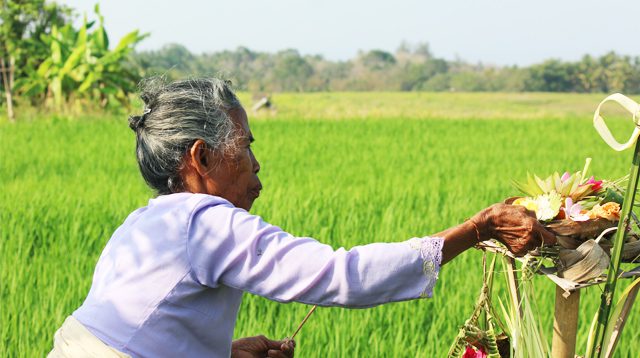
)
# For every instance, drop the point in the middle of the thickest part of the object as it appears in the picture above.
(239, 118)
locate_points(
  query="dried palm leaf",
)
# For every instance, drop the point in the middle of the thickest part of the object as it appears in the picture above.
(580, 229)
(631, 251)
(586, 262)
(568, 242)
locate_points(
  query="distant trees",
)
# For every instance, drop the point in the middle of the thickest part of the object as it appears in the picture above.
(551, 76)
(291, 71)
(377, 60)
(410, 68)
(172, 57)
(609, 73)
(46, 60)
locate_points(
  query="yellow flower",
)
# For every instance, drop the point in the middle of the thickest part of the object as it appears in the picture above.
(527, 202)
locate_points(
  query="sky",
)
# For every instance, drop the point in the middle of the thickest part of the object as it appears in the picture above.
(496, 32)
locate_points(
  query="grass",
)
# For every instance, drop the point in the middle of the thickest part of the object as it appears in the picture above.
(368, 175)
(421, 105)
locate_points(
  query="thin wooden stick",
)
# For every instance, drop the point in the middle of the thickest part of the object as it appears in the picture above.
(304, 321)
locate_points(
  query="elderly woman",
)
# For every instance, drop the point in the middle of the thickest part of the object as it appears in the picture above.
(171, 278)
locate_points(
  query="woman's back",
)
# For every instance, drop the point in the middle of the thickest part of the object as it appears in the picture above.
(145, 299)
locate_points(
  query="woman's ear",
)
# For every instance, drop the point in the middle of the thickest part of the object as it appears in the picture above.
(198, 157)
(203, 156)
(197, 167)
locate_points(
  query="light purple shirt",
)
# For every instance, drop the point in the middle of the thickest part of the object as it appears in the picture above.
(171, 278)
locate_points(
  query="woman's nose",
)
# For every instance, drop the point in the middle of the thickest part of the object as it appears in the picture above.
(256, 165)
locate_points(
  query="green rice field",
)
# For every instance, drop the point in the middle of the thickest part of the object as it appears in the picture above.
(347, 169)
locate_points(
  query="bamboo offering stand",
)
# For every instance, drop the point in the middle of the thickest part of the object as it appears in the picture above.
(567, 300)
(567, 296)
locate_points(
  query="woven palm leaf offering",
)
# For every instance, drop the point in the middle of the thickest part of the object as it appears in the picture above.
(583, 213)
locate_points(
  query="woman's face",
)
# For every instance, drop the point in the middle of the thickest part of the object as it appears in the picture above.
(236, 177)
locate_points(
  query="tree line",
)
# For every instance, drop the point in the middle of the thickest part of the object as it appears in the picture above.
(409, 68)
(47, 61)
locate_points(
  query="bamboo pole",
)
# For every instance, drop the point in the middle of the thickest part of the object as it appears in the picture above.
(616, 252)
(565, 324)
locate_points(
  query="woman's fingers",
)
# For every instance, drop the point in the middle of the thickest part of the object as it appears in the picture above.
(515, 226)
(286, 350)
(535, 234)
(281, 349)
(288, 346)
(548, 238)
(530, 213)
(273, 353)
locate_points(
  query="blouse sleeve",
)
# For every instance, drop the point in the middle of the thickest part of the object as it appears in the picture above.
(228, 246)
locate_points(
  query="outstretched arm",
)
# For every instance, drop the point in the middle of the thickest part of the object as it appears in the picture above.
(229, 246)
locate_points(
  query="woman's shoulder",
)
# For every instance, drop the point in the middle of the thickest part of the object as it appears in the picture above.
(179, 207)
(187, 201)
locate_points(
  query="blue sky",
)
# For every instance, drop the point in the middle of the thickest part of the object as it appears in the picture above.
(493, 32)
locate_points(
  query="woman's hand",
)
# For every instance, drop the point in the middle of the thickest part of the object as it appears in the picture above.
(512, 225)
(260, 347)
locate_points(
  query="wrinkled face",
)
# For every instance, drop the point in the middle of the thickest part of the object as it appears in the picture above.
(236, 176)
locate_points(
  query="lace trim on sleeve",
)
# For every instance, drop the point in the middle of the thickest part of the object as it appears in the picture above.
(431, 252)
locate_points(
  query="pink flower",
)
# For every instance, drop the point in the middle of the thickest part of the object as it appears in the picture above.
(565, 177)
(595, 184)
(574, 211)
(470, 352)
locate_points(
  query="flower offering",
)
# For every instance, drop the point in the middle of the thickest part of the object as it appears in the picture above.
(583, 212)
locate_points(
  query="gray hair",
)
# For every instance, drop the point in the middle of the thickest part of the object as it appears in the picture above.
(175, 116)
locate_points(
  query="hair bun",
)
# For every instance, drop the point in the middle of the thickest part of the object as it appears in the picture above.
(135, 122)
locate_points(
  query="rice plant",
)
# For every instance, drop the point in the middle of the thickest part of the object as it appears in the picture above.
(349, 179)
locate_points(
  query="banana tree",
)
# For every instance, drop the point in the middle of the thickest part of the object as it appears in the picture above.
(81, 65)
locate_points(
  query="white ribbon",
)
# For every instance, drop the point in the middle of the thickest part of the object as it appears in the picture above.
(632, 107)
